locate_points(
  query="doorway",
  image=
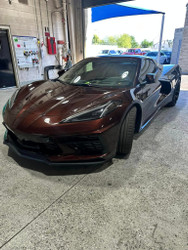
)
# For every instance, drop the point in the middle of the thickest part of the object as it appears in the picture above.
(7, 74)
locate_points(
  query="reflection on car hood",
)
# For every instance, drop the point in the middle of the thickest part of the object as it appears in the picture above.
(57, 100)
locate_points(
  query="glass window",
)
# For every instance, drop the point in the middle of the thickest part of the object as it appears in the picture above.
(152, 54)
(147, 66)
(167, 53)
(104, 51)
(131, 50)
(89, 66)
(111, 72)
(112, 52)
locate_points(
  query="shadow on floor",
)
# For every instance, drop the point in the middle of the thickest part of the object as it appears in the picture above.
(162, 117)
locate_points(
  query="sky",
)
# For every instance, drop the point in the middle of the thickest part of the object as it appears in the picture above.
(145, 26)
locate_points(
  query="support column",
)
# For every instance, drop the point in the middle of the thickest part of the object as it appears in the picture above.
(76, 29)
(161, 38)
(183, 60)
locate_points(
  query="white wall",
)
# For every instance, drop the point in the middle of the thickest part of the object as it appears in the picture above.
(178, 35)
(27, 20)
(183, 60)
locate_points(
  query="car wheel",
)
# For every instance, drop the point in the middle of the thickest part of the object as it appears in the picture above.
(127, 133)
(175, 95)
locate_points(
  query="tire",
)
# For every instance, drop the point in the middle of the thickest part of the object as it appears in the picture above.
(127, 133)
(175, 95)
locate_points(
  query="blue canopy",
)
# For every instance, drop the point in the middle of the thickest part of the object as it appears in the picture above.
(118, 10)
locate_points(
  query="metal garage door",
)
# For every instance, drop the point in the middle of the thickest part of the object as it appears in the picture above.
(7, 77)
(93, 3)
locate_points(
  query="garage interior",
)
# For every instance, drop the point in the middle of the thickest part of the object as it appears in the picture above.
(34, 29)
(31, 26)
(134, 203)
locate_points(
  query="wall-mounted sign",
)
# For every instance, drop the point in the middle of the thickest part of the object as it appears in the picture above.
(27, 51)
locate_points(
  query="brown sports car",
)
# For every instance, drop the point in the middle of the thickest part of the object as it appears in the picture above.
(90, 113)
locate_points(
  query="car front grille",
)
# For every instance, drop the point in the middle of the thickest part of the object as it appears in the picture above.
(77, 145)
(49, 148)
(89, 147)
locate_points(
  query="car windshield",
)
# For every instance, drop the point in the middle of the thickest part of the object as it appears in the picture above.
(152, 54)
(131, 50)
(113, 52)
(167, 53)
(102, 72)
(104, 52)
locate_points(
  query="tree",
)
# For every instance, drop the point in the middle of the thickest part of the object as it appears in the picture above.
(111, 40)
(124, 41)
(96, 39)
(103, 42)
(146, 44)
(134, 44)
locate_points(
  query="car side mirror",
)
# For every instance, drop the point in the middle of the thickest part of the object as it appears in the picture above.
(61, 72)
(150, 78)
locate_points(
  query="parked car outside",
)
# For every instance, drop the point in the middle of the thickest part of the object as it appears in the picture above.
(134, 51)
(120, 52)
(153, 54)
(168, 55)
(145, 51)
(90, 113)
(107, 52)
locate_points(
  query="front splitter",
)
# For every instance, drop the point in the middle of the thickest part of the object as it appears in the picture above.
(39, 158)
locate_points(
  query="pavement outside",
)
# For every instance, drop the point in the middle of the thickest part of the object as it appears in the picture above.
(137, 203)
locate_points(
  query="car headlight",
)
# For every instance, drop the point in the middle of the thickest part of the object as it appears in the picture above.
(93, 114)
(13, 98)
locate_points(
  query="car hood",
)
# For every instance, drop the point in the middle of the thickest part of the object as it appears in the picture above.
(55, 99)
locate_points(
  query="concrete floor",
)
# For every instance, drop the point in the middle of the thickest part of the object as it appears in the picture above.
(138, 203)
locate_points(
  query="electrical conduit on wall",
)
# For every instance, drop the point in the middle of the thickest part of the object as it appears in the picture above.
(58, 28)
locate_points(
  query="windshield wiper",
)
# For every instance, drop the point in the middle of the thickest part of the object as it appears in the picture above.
(83, 84)
(86, 85)
(89, 83)
(97, 79)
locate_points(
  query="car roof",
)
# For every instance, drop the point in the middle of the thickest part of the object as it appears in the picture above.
(155, 51)
(139, 57)
(125, 56)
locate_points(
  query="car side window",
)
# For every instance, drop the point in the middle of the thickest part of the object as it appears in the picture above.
(147, 66)
(112, 52)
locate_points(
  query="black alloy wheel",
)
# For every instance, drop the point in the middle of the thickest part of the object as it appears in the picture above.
(127, 133)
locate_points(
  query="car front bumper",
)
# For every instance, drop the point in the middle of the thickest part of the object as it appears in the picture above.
(70, 151)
